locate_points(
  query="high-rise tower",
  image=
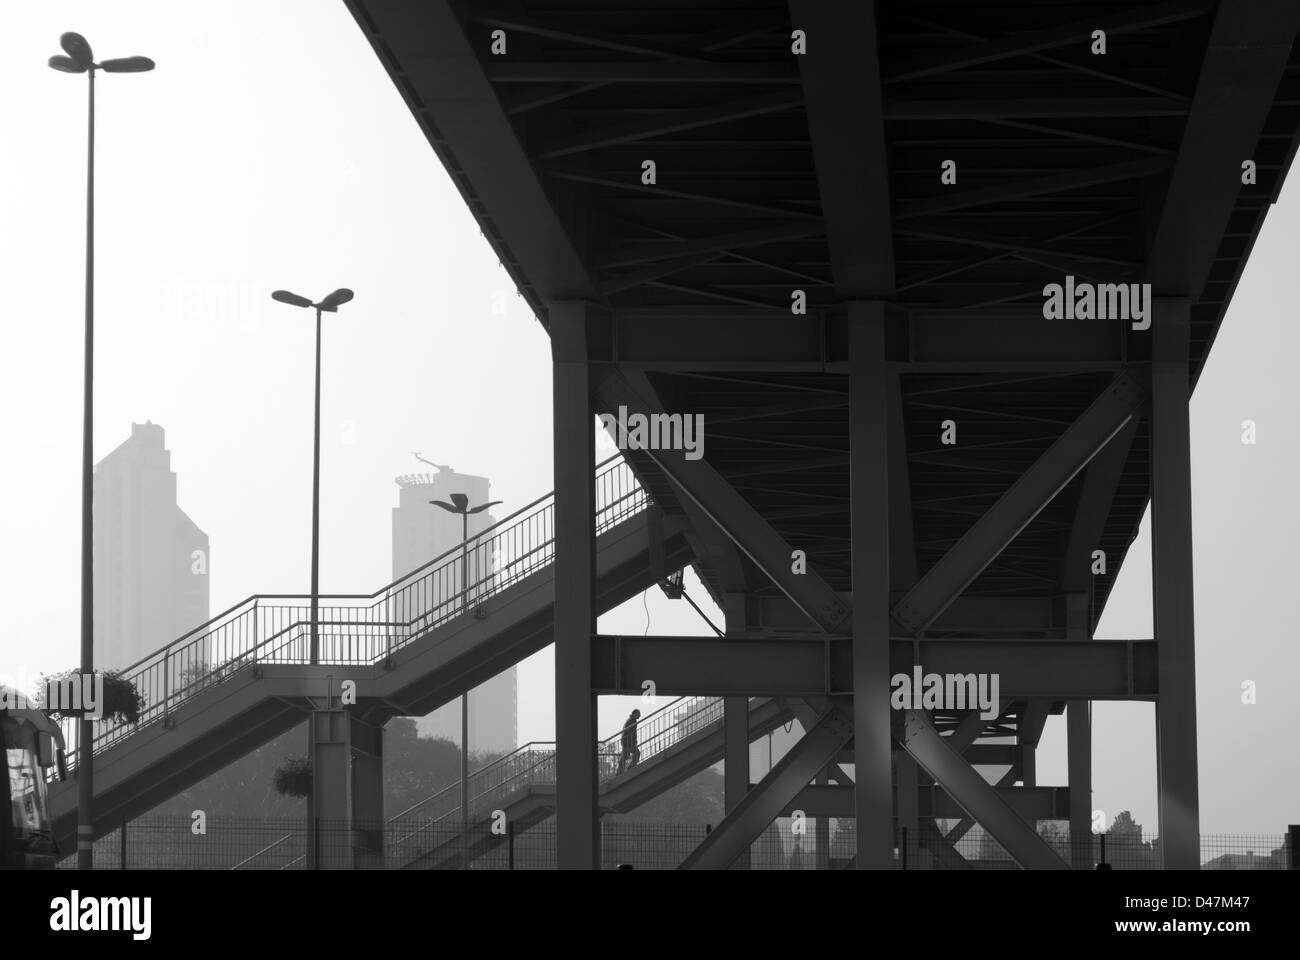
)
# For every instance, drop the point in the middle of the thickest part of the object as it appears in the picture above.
(151, 560)
(421, 532)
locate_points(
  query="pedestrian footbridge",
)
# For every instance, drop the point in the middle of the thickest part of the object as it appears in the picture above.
(247, 676)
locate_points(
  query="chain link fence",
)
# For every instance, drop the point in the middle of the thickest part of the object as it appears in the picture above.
(228, 843)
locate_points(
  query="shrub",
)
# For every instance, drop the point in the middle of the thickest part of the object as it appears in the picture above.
(122, 701)
(292, 777)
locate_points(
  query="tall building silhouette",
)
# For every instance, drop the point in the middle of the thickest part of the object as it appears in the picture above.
(151, 560)
(421, 532)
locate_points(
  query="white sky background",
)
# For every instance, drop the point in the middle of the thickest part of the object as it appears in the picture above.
(269, 149)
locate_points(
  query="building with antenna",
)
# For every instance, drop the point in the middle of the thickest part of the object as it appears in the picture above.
(422, 532)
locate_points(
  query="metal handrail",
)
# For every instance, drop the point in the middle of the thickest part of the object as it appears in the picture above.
(369, 630)
(668, 726)
(267, 849)
(657, 733)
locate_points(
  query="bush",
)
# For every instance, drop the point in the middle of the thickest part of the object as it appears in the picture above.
(292, 777)
(122, 701)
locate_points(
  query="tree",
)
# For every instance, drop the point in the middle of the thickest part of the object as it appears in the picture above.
(1125, 847)
(415, 768)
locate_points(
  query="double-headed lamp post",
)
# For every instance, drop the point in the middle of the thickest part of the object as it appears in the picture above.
(330, 304)
(460, 504)
(80, 59)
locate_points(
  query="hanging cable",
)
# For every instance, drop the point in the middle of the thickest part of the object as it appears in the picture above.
(703, 615)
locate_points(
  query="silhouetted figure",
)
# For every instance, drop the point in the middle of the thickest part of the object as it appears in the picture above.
(631, 752)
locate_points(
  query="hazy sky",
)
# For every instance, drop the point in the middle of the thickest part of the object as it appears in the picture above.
(269, 149)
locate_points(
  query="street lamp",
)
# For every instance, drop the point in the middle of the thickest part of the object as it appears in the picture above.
(80, 59)
(330, 304)
(460, 504)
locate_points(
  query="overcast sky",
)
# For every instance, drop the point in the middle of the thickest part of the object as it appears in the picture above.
(269, 149)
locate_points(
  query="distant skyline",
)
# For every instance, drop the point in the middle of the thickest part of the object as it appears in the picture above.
(270, 150)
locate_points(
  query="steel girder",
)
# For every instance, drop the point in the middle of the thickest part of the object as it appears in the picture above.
(766, 800)
(811, 667)
(975, 796)
(736, 339)
(1031, 803)
(1022, 502)
(700, 482)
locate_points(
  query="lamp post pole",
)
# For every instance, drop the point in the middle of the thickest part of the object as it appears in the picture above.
(464, 697)
(315, 512)
(460, 504)
(86, 728)
(330, 304)
(80, 59)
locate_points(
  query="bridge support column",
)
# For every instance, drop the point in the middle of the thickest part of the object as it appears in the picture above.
(1171, 553)
(1078, 746)
(907, 780)
(345, 811)
(869, 503)
(735, 721)
(576, 809)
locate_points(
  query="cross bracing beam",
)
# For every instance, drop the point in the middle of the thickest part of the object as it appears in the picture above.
(975, 796)
(1020, 44)
(1020, 189)
(1049, 246)
(701, 483)
(674, 121)
(622, 72)
(812, 667)
(1030, 726)
(1095, 498)
(767, 799)
(716, 244)
(583, 34)
(1053, 107)
(981, 545)
(962, 827)
(662, 190)
(941, 847)
(665, 268)
(808, 712)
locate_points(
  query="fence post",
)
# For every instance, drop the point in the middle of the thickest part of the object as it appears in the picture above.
(903, 848)
(123, 840)
(1102, 864)
(1294, 832)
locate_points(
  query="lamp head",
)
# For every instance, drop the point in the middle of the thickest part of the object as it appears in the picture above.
(284, 296)
(127, 65)
(336, 299)
(67, 65)
(76, 47)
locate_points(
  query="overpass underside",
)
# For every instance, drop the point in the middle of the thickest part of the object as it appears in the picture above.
(829, 234)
